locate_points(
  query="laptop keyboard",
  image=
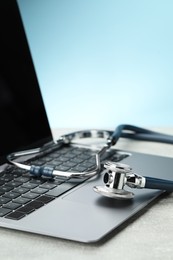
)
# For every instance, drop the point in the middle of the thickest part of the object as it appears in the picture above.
(22, 194)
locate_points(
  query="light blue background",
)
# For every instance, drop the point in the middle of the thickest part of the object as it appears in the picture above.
(103, 62)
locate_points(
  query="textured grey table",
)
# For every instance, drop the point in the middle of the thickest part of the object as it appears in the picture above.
(147, 236)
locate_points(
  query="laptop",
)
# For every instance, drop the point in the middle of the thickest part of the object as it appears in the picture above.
(60, 208)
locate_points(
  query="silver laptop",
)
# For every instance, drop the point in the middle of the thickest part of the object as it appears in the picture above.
(59, 208)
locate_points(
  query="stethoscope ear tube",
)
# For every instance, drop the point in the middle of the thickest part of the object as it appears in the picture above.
(124, 130)
(160, 184)
(138, 133)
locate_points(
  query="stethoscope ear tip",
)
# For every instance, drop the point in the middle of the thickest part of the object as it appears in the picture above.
(113, 193)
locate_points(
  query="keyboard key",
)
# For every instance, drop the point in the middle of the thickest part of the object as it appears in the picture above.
(21, 190)
(55, 192)
(52, 165)
(54, 155)
(48, 186)
(30, 195)
(77, 160)
(16, 215)
(88, 164)
(69, 155)
(62, 168)
(62, 151)
(26, 209)
(45, 199)
(4, 200)
(76, 151)
(58, 181)
(84, 156)
(11, 205)
(46, 159)
(39, 162)
(92, 159)
(63, 159)
(6, 177)
(55, 163)
(4, 212)
(37, 181)
(21, 200)
(39, 190)
(11, 195)
(35, 204)
(18, 172)
(79, 169)
(70, 164)
(13, 184)
(5, 188)
(23, 179)
(2, 183)
(29, 185)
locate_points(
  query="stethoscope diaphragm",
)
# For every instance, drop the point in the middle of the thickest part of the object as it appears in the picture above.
(113, 193)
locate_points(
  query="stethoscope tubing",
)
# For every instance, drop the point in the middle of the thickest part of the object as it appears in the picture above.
(123, 130)
(160, 184)
(141, 134)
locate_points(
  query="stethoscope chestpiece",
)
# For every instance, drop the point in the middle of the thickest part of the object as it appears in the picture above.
(118, 175)
(115, 178)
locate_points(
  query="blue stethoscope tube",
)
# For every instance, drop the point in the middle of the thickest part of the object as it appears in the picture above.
(138, 133)
(158, 184)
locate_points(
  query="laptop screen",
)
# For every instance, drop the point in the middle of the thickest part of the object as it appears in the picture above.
(23, 120)
(103, 62)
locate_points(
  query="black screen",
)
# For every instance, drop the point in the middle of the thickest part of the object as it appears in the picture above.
(23, 120)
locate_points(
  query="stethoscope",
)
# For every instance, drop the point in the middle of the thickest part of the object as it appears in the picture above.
(116, 175)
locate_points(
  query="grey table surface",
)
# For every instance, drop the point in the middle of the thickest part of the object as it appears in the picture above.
(149, 235)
